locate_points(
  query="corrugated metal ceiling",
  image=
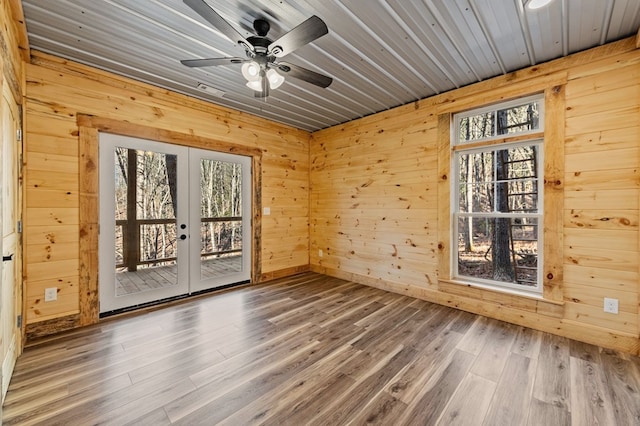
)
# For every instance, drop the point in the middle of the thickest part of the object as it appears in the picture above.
(380, 53)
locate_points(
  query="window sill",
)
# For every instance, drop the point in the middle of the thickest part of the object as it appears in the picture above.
(504, 297)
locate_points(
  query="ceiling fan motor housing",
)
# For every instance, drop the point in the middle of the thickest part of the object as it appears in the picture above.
(261, 27)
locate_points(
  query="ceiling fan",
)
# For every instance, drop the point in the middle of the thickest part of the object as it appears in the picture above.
(261, 67)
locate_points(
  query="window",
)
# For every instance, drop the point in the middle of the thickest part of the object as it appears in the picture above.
(497, 207)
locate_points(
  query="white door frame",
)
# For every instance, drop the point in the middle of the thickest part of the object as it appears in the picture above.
(106, 241)
(196, 283)
(11, 303)
(189, 249)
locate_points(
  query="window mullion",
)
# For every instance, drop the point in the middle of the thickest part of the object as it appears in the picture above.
(494, 174)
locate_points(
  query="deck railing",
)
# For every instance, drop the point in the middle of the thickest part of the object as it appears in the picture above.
(131, 254)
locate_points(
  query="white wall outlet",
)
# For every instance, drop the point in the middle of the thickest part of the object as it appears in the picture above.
(320, 253)
(611, 305)
(50, 294)
(266, 211)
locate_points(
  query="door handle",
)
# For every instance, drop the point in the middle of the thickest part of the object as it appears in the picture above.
(183, 237)
(7, 258)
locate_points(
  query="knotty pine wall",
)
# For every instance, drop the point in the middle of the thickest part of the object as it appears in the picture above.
(380, 203)
(57, 91)
(372, 189)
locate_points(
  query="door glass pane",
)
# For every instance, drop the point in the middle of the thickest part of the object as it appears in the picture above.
(145, 212)
(220, 218)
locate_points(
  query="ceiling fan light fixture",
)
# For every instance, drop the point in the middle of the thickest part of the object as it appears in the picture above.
(251, 71)
(255, 85)
(537, 4)
(260, 70)
(275, 79)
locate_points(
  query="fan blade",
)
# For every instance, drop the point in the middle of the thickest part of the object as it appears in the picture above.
(304, 33)
(211, 62)
(304, 74)
(219, 23)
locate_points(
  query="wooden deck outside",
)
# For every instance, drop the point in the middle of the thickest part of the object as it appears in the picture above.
(155, 277)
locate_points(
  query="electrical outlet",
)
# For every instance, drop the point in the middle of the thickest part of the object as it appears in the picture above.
(611, 305)
(320, 253)
(50, 294)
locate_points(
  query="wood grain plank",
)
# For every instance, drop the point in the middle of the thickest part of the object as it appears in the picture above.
(264, 383)
(527, 342)
(603, 140)
(432, 359)
(299, 410)
(74, 401)
(622, 381)
(384, 409)
(554, 187)
(366, 388)
(360, 355)
(475, 339)
(496, 351)
(593, 161)
(300, 389)
(433, 400)
(552, 386)
(545, 414)
(228, 376)
(508, 405)
(444, 193)
(470, 403)
(593, 404)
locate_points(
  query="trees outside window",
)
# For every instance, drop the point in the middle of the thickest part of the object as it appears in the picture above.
(146, 189)
(497, 212)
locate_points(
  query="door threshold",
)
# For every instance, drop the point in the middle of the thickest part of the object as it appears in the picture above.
(159, 303)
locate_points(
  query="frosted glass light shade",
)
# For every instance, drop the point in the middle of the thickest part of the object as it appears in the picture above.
(251, 71)
(275, 79)
(255, 85)
(537, 4)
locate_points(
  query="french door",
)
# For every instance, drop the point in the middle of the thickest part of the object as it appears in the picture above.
(173, 221)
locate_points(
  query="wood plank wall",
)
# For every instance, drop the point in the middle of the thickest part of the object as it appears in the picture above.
(56, 92)
(370, 189)
(379, 197)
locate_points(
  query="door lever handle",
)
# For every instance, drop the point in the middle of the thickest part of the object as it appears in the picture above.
(7, 258)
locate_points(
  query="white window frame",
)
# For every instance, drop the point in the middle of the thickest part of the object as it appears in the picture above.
(457, 118)
(490, 145)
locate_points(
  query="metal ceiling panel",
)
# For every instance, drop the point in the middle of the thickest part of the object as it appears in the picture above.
(381, 53)
(459, 22)
(545, 28)
(503, 33)
(429, 35)
(587, 18)
(625, 19)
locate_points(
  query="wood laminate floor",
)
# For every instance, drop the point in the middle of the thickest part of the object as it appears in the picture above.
(317, 350)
